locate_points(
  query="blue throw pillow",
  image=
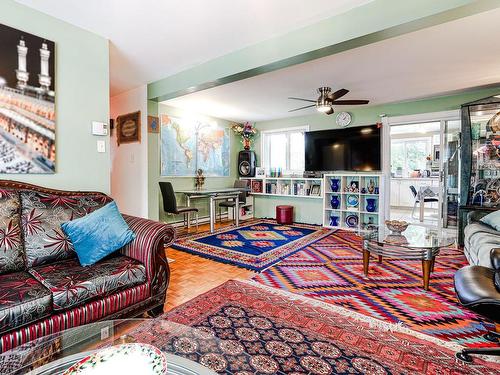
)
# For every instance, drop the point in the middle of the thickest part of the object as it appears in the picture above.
(493, 220)
(98, 234)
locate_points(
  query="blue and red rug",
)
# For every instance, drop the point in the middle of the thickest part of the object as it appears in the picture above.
(331, 270)
(255, 246)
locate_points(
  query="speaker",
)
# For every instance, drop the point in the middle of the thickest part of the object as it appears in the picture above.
(246, 163)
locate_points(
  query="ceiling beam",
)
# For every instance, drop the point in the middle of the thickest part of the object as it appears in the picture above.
(370, 23)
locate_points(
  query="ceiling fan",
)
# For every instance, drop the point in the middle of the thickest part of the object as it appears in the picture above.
(327, 100)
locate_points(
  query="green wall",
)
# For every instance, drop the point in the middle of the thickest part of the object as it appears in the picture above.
(82, 95)
(310, 211)
(179, 183)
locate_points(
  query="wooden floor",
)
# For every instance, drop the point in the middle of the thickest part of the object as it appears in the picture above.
(191, 275)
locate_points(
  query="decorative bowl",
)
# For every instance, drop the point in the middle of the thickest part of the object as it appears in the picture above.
(396, 226)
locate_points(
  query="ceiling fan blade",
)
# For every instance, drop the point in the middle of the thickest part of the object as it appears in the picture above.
(337, 94)
(329, 112)
(304, 100)
(350, 102)
(298, 109)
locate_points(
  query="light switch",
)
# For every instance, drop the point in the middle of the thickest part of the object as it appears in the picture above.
(99, 128)
(101, 146)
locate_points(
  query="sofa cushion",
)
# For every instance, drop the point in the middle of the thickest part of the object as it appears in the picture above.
(22, 300)
(42, 215)
(11, 244)
(479, 239)
(72, 284)
(492, 219)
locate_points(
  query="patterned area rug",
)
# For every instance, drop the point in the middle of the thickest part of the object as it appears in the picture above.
(331, 270)
(246, 328)
(255, 246)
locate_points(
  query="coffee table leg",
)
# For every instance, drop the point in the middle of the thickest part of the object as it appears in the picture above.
(366, 261)
(432, 264)
(380, 258)
(426, 271)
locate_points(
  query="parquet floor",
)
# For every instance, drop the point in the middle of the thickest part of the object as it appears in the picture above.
(191, 275)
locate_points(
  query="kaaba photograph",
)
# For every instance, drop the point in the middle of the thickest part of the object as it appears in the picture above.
(27, 96)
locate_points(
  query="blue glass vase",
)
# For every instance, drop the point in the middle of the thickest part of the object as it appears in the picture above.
(334, 221)
(335, 184)
(335, 202)
(370, 205)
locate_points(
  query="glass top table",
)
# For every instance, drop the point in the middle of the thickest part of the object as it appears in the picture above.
(416, 242)
(54, 354)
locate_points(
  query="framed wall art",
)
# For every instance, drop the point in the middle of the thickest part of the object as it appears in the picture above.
(27, 97)
(128, 128)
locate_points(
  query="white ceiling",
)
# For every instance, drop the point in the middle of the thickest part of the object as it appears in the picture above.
(153, 39)
(443, 59)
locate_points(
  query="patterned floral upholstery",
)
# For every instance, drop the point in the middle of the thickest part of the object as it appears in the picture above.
(72, 284)
(11, 246)
(42, 216)
(22, 300)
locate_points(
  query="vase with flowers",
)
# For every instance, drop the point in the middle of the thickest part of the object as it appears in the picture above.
(247, 132)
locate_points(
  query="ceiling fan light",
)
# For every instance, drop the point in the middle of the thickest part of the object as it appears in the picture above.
(324, 108)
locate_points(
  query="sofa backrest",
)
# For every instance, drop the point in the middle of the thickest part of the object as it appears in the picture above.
(42, 211)
(11, 241)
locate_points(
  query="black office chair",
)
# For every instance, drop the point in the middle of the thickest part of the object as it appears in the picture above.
(417, 201)
(232, 203)
(170, 203)
(478, 289)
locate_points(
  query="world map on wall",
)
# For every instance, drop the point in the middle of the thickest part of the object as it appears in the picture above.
(187, 145)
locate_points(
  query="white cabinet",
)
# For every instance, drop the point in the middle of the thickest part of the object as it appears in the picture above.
(401, 195)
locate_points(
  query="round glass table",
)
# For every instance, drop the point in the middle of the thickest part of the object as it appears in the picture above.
(56, 353)
(416, 242)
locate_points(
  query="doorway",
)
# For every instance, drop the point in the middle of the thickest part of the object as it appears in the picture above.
(423, 169)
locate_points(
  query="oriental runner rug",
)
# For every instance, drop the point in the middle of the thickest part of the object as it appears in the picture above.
(255, 246)
(331, 270)
(243, 328)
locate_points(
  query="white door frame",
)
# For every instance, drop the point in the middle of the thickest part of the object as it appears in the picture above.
(387, 122)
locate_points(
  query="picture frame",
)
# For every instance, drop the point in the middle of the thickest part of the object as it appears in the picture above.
(260, 172)
(316, 190)
(153, 124)
(128, 128)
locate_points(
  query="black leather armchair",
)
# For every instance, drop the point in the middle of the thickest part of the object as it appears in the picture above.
(478, 288)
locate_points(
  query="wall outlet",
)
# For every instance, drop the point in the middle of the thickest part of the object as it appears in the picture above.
(104, 333)
(101, 146)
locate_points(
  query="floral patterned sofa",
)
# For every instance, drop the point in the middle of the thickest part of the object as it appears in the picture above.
(43, 288)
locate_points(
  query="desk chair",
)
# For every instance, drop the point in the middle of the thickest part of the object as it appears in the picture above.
(232, 203)
(478, 289)
(170, 203)
(417, 201)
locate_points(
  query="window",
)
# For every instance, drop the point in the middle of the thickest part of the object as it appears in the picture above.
(284, 149)
(408, 155)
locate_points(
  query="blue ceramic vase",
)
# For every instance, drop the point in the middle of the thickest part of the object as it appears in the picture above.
(334, 221)
(335, 184)
(335, 202)
(370, 205)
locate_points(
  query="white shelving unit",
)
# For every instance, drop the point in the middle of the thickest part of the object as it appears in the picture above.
(246, 209)
(352, 203)
(292, 187)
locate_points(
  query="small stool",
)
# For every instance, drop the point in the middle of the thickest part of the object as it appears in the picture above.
(284, 214)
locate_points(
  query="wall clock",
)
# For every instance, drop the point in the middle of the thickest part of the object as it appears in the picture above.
(343, 119)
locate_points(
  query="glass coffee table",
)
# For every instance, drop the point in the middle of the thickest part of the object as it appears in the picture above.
(54, 354)
(416, 242)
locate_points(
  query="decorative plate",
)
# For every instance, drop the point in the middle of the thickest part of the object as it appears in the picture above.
(133, 358)
(351, 221)
(352, 201)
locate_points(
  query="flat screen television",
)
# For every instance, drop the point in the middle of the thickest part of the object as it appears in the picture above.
(351, 149)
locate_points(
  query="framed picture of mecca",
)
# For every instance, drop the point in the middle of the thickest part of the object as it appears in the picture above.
(27, 96)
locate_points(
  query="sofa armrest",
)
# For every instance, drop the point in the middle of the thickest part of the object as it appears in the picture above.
(475, 216)
(148, 248)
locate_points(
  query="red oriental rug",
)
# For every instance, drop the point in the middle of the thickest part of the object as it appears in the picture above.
(243, 328)
(331, 270)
